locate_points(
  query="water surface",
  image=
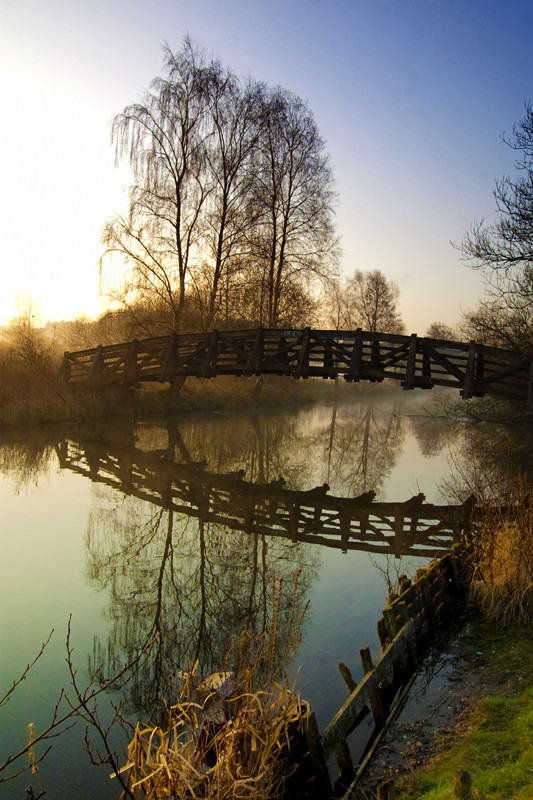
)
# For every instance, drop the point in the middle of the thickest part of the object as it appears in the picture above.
(92, 530)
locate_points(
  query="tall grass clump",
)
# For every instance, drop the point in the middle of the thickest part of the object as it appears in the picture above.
(242, 751)
(502, 581)
(30, 390)
(232, 734)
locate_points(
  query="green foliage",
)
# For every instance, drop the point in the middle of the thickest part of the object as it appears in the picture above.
(497, 749)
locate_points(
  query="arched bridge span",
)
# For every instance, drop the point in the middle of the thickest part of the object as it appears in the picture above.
(417, 362)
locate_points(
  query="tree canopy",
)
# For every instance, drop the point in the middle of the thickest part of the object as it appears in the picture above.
(230, 213)
(367, 300)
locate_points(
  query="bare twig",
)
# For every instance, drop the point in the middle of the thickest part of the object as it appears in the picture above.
(82, 706)
(10, 691)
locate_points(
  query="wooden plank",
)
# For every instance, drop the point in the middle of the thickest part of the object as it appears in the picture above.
(342, 721)
(302, 367)
(347, 675)
(356, 359)
(469, 383)
(409, 378)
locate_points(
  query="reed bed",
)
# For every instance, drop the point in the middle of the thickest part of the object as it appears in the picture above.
(240, 748)
(228, 736)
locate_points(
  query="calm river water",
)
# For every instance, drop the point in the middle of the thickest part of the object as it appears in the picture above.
(98, 526)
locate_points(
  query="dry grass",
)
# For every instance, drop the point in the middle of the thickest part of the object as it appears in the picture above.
(502, 583)
(239, 749)
(228, 737)
(29, 392)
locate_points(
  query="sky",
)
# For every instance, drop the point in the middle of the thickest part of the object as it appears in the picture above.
(411, 96)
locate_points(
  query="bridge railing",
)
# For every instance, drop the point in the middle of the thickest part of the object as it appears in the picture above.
(417, 362)
(412, 527)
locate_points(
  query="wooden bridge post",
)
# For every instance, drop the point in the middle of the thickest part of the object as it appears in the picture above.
(329, 366)
(256, 356)
(130, 374)
(64, 370)
(94, 377)
(469, 385)
(356, 359)
(168, 363)
(375, 699)
(302, 368)
(314, 742)
(427, 383)
(409, 381)
(208, 368)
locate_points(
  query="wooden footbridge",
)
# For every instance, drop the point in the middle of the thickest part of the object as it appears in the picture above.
(416, 362)
(414, 527)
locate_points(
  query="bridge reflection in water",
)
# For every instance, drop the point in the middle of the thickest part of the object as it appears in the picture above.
(412, 527)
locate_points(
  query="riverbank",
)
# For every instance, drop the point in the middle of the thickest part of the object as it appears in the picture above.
(470, 709)
(43, 398)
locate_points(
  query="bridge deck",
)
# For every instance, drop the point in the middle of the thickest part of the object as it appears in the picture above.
(416, 362)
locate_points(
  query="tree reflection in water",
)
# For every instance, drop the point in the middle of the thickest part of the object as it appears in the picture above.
(362, 448)
(186, 580)
(189, 584)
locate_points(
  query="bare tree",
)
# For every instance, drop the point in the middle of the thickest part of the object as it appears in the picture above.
(503, 251)
(293, 241)
(164, 138)
(367, 300)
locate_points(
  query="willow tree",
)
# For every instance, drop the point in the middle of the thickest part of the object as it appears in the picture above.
(164, 138)
(233, 137)
(230, 212)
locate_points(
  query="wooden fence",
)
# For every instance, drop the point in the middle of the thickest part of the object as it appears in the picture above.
(413, 527)
(416, 362)
(423, 605)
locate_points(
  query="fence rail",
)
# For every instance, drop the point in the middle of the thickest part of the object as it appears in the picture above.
(417, 362)
(428, 602)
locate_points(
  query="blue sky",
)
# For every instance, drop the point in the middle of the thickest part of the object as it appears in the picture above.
(411, 96)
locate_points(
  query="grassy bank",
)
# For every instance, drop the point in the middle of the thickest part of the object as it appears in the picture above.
(32, 393)
(494, 745)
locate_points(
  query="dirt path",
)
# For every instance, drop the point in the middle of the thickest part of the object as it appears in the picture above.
(440, 704)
